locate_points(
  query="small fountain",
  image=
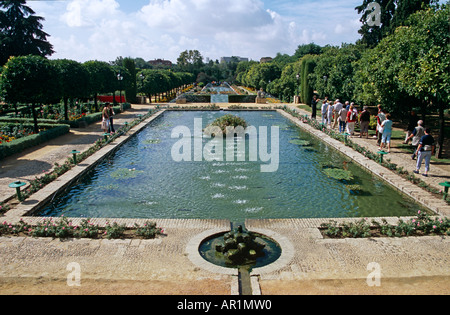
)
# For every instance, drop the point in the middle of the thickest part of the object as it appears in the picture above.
(240, 249)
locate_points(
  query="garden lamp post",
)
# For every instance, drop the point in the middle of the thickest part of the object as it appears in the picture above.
(447, 186)
(142, 77)
(382, 153)
(74, 153)
(120, 79)
(346, 135)
(17, 186)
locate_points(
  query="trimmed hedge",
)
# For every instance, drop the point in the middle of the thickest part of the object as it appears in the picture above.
(21, 144)
(4, 120)
(197, 98)
(242, 98)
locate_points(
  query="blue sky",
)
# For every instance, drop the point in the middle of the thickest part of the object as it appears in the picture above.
(104, 29)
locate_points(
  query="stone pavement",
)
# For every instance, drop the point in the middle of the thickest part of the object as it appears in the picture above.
(309, 264)
(164, 266)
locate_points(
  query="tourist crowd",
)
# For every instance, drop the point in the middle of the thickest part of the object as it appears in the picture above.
(346, 116)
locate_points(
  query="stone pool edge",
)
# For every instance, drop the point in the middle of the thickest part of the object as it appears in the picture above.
(36, 201)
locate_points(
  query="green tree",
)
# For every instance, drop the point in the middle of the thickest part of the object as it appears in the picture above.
(260, 75)
(154, 82)
(241, 71)
(288, 84)
(309, 63)
(393, 13)
(21, 31)
(72, 78)
(307, 49)
(424, 57)
(28, 80)
(102, 79)
(411, 66)
(190, 61)
(131, 88)
(335, 70)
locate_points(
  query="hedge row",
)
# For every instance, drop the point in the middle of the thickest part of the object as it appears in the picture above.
(242, 98)
(17, 146)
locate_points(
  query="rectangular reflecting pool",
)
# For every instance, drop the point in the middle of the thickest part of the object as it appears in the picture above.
(142, 179)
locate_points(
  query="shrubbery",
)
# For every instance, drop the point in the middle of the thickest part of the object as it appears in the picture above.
(18, 145)
(421, 225)
(64, 228)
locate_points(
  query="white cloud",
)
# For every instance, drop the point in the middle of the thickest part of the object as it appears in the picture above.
(104, 29)
(81, 13)
(220, 28)
(204, 17)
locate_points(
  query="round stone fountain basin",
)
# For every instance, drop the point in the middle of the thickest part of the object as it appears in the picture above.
(271, 252)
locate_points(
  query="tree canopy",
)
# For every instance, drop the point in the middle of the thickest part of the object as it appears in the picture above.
(392, 14)
(21, 31)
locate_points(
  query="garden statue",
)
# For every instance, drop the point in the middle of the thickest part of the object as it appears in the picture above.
(261, 97)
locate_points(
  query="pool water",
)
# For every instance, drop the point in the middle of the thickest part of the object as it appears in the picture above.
(142, 180)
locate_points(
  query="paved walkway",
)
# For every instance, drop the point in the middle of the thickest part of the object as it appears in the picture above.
(163, 266)
(310, 264)
(35, 161)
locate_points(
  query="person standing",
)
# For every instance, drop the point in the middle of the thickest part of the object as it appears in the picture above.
(424, 152)
(351, 120)
(387, 133)
(324, 112)
(330, 114)
(111, 122)
(364, 120)
(342, 119)
(105, 118)
(314, 107)
(337, 107)
(381, 117)
(416, 136)
(413, 119)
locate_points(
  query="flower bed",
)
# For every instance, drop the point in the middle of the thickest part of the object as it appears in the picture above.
(422, 225)
(64, 228)
(17, 145)
(9, 132)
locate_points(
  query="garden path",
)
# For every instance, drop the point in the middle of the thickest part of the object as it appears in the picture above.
(33, 162)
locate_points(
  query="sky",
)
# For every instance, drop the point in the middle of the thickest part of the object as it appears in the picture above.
(102, 30)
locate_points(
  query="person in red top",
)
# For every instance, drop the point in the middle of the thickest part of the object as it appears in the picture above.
(351, 120)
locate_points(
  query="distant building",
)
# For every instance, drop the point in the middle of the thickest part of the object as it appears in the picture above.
(230, 59)
(266, 59)
(160, 62)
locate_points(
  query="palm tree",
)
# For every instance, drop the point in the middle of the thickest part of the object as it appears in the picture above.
(21, 31)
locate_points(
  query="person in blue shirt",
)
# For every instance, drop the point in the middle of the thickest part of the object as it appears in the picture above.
(424, 152)
(387, 133)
